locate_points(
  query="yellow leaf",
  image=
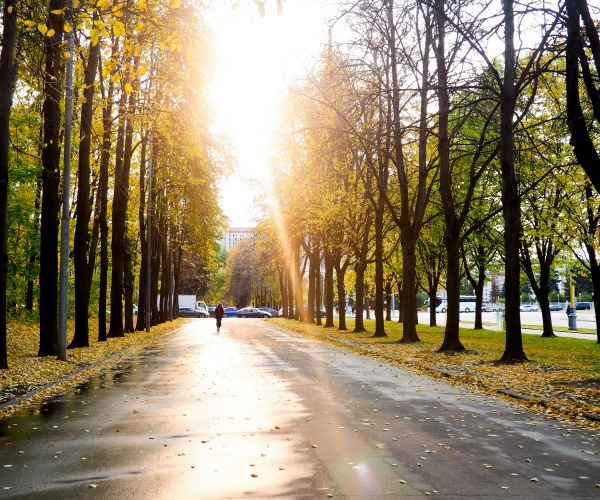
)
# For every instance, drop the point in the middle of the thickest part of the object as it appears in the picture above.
(58, 12)
(175, 4)
(29, 23)
(50, 33)
(42, 29)
(128, 88)
(9, 9)
(67, 28)
(67, 55)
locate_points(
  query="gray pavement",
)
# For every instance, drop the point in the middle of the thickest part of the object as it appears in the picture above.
(258, 412)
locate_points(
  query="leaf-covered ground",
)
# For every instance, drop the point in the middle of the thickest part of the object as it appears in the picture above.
(36, 376)
(561, 379)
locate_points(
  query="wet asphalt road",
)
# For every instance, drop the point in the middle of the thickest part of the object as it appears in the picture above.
(257, 412)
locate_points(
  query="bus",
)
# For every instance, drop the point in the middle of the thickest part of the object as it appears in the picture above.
(468, 303)
(440, 305)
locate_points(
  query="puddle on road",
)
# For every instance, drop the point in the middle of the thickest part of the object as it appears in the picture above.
(74, 399)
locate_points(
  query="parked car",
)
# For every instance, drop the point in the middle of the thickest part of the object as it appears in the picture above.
(528, 308)
(323, 312)
(273, 312)
(189, 312)
(556, 307)
(583, 305)
(230, 312)
(251, 312)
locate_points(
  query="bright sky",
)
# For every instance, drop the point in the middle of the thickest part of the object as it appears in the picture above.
(256, 59)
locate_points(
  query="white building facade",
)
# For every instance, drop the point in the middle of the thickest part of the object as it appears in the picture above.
(234, 235)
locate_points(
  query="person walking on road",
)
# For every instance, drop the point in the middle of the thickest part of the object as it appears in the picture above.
(219, 313)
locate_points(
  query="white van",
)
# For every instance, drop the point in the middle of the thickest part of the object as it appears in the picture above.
(202, 308)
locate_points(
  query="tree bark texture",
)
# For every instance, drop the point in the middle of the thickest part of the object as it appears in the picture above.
(51, 202)
(8, 79)
(511, 202)
(80, 245)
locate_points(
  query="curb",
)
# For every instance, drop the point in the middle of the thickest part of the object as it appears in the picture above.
(21, 399)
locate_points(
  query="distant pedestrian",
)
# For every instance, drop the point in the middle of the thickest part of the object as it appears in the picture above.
(568, 309)
(219, 313)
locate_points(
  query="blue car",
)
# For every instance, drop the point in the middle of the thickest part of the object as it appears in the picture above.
(230, 312)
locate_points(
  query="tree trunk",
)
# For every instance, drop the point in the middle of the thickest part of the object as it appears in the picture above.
(400, 301)
(107, 121)
(411, 211)
(511, 202)
(479, 293)
(388, 295)
(318, 298)
(291, 297)
(312, 270)
(119, 218)
(284, 290)
(143, 300)
(409, 282)
(359, 322)
(8, 79)
(33, 250)
(595, 271)
(340, 272)
(451, 341)
(51, 202)
(154, 299)
(128, 285)
(583, 146)
(432, 293)
(329, 293)
(379, 319)
(80, 246)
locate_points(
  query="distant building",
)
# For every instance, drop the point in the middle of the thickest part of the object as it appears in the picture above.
(234, 235)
